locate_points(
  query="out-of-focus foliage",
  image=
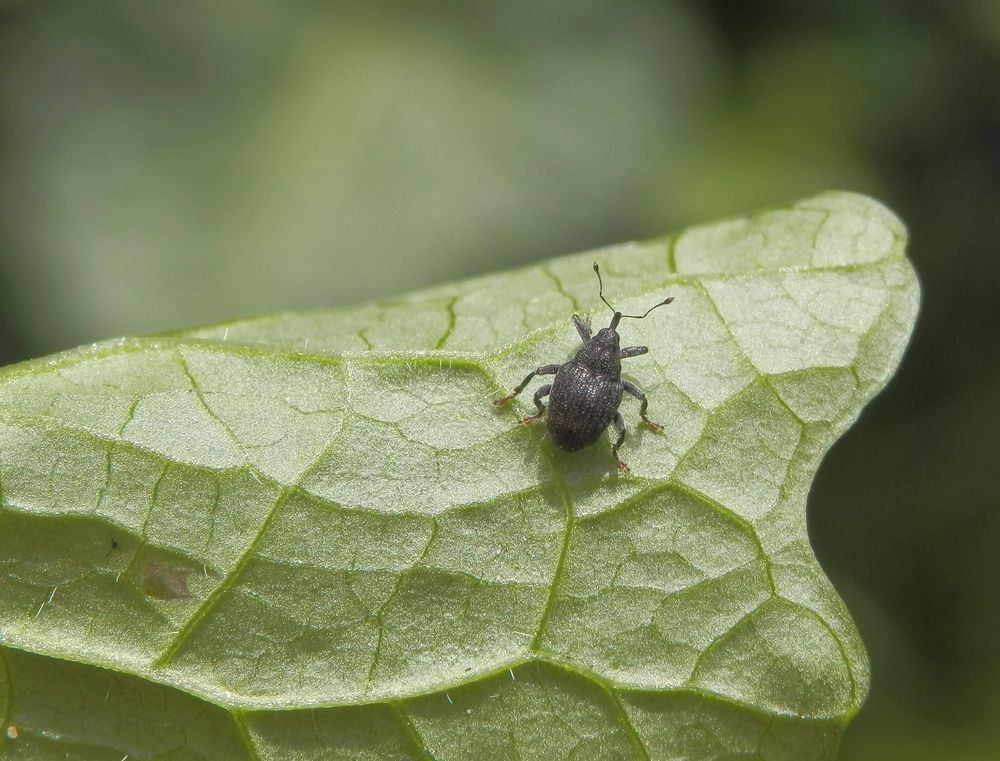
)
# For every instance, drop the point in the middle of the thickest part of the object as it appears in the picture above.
(223, 158)
(166, 164)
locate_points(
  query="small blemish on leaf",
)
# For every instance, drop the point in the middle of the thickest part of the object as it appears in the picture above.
(164, 581)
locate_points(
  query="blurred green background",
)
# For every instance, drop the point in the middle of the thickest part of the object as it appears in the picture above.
(167, 164)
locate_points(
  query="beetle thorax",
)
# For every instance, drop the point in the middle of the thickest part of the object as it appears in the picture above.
(602, 353)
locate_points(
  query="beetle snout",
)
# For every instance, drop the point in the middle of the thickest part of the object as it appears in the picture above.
(607, 337)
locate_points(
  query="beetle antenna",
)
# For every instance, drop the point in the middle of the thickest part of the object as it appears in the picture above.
(617, 313)
(600, 288)
(640, 316)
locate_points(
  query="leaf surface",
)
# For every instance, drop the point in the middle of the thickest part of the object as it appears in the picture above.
(309, 536)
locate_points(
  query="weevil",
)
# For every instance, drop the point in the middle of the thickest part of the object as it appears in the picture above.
(585, 395)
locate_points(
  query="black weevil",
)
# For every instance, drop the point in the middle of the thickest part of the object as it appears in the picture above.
(587, 390)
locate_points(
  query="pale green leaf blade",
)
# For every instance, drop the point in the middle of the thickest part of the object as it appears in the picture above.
(313, 535)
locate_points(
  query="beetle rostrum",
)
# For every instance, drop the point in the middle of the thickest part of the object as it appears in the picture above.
(585, 395)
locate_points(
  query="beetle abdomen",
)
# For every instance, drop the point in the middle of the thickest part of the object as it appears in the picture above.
(582, 404)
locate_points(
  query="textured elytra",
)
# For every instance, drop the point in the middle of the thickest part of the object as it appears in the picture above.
(313, 535)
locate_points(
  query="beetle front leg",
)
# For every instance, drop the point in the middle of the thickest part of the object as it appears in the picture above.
(635, 391)
(542, 391)
(543, 370)
(619, 423)
(633, 351)
(582, 327)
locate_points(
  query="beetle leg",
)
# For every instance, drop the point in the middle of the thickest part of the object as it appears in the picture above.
(582, 327)
(541, 392)
(635, 391)
(633, 351)
(619, 423)
(543, 370)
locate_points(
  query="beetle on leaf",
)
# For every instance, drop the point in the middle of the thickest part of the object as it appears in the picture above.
(585, 395)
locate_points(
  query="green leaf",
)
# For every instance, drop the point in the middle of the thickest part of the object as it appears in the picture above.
(310, 536)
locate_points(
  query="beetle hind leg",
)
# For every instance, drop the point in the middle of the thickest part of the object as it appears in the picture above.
(619, 423)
